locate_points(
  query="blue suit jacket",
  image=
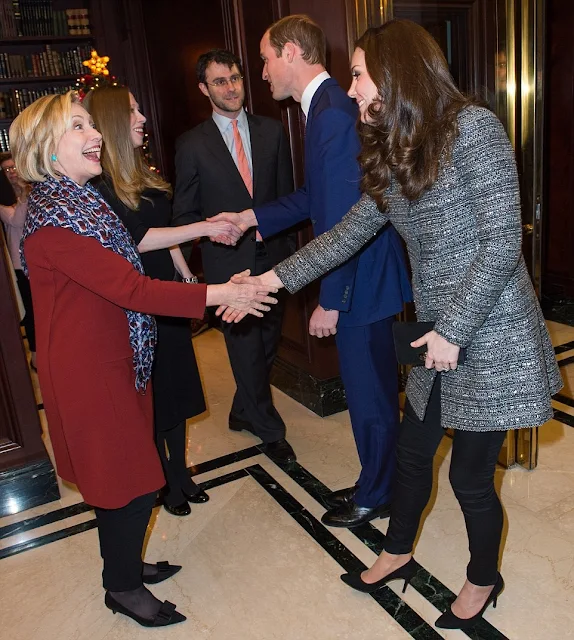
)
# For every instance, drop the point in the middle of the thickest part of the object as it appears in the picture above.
(375, 283)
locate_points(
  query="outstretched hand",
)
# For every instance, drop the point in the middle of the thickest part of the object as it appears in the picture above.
(240, 222)
(223, 231)
(268, 281)
(246, 295)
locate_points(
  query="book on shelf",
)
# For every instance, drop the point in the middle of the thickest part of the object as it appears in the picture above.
(4, 140)
(49, 62)
(14, 101)
(78, 22)
(39, 18)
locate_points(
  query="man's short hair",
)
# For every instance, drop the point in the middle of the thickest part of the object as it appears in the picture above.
(219, 56)
(302, 31)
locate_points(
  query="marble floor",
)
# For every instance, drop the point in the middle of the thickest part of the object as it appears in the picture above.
(257, 563)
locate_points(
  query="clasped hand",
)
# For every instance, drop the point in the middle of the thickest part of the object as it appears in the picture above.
(238, 223)
(222, 231)
(267, 282)
(441, 354)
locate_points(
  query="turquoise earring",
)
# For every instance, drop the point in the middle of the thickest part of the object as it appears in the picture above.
(54, 158)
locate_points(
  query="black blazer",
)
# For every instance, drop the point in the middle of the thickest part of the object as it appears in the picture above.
(207, 182)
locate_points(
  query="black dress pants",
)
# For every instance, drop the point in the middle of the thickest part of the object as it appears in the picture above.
(472, 466)
(252, 347)
(122, 533)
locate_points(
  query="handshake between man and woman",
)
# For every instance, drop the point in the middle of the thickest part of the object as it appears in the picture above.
(228, 228)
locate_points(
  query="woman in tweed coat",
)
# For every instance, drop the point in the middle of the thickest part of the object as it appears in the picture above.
(442, 170)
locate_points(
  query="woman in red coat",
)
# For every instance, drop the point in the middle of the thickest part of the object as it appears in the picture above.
(96, 342)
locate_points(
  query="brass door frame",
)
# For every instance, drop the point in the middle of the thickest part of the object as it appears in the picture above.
(519, 105)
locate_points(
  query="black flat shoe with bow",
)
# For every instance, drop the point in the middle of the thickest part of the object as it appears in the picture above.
(164, 571)
(166, 615)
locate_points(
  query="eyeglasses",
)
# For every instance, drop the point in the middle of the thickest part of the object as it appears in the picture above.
(9, 169)
(223, 82)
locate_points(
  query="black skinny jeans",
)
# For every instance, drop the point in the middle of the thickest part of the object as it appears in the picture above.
(122, 533)
(472, 466)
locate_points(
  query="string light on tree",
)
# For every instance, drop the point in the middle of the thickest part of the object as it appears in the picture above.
(99, 74)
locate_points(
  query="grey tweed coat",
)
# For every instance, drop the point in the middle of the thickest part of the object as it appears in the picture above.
(464, 242)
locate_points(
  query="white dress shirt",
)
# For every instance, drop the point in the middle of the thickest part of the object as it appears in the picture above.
(225, 126)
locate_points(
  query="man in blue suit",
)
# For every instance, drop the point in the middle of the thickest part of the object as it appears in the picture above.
(358, 301)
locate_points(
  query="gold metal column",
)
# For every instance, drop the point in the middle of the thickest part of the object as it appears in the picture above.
(362, 14)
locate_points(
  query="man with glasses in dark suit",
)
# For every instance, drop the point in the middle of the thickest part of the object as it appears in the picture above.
(233, 161)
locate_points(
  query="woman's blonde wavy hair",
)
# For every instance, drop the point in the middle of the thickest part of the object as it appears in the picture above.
(413, 123)
(126, 166)
(36, 133)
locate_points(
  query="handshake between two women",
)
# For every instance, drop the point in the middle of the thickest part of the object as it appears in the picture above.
(231, 227)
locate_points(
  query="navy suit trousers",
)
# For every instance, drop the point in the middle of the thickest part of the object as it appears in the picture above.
(370, 374)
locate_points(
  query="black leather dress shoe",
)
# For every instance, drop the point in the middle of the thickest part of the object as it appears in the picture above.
(238, 424)
(280, 451)
(340, 497)
(197, 498)
(352, 515)
(182, 509)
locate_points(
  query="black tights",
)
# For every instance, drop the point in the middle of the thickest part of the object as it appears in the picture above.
(174, 467)
(473, 462)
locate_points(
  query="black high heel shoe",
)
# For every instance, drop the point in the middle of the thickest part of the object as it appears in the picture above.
(197, 498)
(164, 617)
(164, 571)
(449, 621)
(406, 573)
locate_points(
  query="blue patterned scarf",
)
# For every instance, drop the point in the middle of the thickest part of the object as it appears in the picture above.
(64, 203)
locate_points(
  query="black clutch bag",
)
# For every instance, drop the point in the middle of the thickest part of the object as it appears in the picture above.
(406, 332)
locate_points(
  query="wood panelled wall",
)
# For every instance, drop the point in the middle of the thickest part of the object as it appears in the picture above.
(558, 234)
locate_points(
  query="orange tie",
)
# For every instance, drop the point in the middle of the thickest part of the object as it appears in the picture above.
(243, 166)
(242, 162)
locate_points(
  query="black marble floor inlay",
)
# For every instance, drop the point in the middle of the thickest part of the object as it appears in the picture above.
(91, 524)
(223, 461)
(426, 584)
(40, 521)
(73, 510)
(47, 539)
(561, 348)
(566, 361)
(558, 309)
(387, 599)
(560, 397)
(564, 417)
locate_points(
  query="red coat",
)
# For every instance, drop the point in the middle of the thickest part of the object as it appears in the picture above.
(101, 428)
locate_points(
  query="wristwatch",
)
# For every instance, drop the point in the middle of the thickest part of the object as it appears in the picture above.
(192, 280)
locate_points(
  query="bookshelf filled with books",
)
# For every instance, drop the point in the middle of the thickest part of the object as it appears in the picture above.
(42, 46)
